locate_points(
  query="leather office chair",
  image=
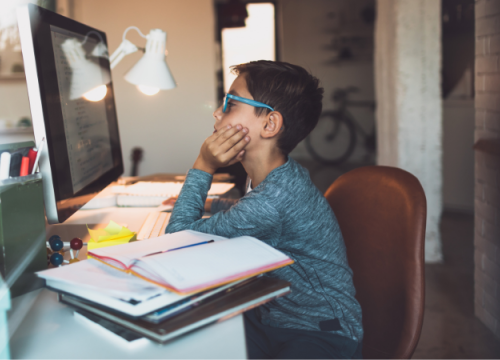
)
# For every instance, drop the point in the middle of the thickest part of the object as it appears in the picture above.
(382, 213)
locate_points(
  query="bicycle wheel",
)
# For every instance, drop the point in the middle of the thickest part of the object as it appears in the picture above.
(333, 139)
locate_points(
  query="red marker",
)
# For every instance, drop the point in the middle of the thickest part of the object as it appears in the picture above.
(32, 157)
(25, 164)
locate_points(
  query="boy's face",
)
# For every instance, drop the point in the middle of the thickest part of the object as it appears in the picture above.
(238, 113)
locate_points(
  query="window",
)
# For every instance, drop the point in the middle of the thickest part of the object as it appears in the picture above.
(255, 41)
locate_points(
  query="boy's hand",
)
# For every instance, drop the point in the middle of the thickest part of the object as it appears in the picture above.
(223, 148)
(170, 201)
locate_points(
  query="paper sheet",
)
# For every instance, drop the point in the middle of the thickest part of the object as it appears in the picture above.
(127, 253)
(208, 264)
(95, 276)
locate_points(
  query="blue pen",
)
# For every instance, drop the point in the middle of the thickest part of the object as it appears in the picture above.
(182, 247)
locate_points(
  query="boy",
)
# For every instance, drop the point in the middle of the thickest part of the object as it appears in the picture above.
(269, 109)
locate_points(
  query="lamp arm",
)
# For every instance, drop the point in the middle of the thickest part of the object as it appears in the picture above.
(135, 28)
(125, 48)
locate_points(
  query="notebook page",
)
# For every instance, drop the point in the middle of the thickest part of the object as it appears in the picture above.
(91, 275)
(128, 253)
(205, 265)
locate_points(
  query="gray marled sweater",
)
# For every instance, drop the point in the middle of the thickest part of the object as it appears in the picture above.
(289, 213)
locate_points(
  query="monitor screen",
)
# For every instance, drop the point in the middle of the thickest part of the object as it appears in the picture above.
(85, 122)
(73, 108)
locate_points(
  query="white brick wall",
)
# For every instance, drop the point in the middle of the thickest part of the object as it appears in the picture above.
(409, 108)
(487, 167)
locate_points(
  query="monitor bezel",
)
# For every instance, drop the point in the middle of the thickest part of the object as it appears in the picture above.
(43, 91)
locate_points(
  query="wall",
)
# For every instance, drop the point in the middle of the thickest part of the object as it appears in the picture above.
(458, 105)
(458, 155)
(171, 125)
(13, 93)
(487, 167)
(306, 29)
(409, 114)
(14, 105)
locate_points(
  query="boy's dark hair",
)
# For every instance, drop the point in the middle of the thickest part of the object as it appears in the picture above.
(288, 89)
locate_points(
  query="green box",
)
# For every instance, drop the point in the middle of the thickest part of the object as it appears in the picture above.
(22, 229)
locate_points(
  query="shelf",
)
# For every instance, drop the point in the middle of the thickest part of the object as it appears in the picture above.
(13, 77)
(16, 130)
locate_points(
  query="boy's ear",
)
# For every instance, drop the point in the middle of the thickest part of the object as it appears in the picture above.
(272, 125)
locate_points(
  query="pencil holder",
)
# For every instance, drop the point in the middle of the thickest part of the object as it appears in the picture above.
(22, 229)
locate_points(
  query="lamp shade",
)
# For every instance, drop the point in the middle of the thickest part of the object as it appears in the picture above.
(85, 74)
(152, 69)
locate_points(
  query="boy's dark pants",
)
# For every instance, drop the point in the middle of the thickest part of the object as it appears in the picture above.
(266, 342)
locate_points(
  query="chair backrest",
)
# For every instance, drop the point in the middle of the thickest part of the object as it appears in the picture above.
(382, 213)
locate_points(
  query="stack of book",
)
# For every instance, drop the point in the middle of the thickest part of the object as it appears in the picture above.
(167, 286)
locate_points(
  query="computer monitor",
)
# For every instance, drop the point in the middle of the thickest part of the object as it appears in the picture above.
(72, 107)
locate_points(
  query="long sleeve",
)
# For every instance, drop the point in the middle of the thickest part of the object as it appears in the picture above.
(252, 215)
(289, 213)
(222, 204)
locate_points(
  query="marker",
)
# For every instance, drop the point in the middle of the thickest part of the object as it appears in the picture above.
(182, 247)
(32, 157)
(40, 148)
(15, 164)
(25, 164)
(4, 165)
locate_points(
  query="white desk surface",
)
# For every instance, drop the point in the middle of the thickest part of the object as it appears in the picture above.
(48, 330)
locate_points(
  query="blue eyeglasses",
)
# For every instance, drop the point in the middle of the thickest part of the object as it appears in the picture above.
(245, 101)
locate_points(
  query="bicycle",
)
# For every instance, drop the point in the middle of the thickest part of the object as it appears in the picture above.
(334, 138)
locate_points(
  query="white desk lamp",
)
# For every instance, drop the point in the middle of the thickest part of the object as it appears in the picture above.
(150, 74)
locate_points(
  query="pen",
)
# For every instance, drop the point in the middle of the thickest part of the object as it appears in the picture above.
(15, 164)
(182, 247)
(40, 148)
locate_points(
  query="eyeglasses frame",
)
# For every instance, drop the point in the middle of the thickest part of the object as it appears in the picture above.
(245, 101)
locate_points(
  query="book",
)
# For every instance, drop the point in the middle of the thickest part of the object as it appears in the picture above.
(194, 301)
(246, 297)
(93, 281)
(172, 262)
(101, 324)
(155, 308)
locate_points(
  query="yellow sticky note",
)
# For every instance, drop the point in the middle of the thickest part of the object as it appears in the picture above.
(113, 234)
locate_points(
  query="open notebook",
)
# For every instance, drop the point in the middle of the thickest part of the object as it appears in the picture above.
(196, 268)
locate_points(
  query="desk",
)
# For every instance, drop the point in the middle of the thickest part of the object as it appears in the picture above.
(48, 329)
